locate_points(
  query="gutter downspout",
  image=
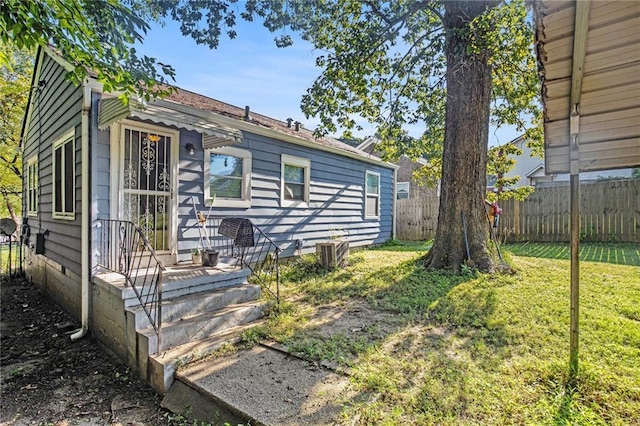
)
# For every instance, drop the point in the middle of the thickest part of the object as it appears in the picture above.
(85, 219)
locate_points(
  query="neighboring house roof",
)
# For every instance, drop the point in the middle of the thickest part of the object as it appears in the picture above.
(372, 140)
(535, 169)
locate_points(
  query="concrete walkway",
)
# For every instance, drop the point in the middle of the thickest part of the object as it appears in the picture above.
(261, 385)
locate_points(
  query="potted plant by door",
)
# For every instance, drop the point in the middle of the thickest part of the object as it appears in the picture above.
(210, 257)
(196, 256)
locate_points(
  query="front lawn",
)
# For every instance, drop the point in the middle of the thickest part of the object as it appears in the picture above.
(436, 348)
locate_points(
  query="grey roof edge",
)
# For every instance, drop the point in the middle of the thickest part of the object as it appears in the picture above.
(374, 140)
(535, 169)
(276, 134)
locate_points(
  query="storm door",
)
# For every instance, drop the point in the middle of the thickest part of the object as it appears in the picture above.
(147, 184)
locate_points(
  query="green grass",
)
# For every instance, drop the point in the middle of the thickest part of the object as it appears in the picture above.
(440, 348)
(618, 253)
(4, 258)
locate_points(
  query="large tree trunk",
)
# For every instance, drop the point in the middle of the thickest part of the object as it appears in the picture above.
(465, 147)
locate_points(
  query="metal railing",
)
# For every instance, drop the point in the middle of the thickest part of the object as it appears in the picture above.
(124, 249)
(262, 257)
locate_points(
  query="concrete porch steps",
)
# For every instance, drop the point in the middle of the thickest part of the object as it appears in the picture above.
(179, 281)
(193, 304)
(202, 308)
(200, 326)
(188, 338)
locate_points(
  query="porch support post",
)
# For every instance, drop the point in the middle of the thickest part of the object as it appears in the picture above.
(580, 33)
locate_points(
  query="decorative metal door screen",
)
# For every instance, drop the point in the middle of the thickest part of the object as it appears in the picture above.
(147, 184)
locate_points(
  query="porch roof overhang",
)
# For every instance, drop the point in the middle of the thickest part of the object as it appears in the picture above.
(112, 110)
(589, 53)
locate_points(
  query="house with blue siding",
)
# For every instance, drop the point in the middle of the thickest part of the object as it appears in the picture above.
(117, 197)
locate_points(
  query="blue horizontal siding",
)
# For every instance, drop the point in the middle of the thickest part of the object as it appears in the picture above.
(56, 108)
(336, 202)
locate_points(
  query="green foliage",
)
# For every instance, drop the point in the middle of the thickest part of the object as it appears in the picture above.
(95, 36)
(15, 81)
(500, 163)
(385, 62)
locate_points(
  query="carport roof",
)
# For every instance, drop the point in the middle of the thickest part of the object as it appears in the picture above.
(589, 55)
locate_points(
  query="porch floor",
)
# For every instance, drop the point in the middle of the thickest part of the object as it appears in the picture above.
(176, 272)
(187, 269)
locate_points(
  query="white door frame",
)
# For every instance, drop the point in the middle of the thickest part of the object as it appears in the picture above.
(117, 173)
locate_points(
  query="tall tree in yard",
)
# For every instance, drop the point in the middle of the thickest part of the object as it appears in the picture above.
(453, 67)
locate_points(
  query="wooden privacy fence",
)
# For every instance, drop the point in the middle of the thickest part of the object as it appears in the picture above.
(609, 212)
(417, 218)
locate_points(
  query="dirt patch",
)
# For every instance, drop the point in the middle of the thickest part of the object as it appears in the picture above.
(48, 379)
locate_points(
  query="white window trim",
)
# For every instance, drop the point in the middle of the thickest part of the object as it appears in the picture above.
(366, 195)
(305, 163)
(68, 137)
(32, 164)
(407, 184)
(245, 201)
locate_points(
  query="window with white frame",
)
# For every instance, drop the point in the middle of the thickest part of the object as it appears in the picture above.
(64, 188)
(32, 186)
(228, 177)
(295, 178)
(372, 196)
(402, 190)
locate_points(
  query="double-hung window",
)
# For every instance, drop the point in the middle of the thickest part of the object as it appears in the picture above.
(64, 159)
(228, 177)
(32, 186)
(372, 196)
(295, 178)
(402, 190)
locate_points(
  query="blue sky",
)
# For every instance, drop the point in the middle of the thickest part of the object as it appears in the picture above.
(251, 70)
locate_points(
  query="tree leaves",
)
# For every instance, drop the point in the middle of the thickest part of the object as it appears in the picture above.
(15, 79)
(95, 36)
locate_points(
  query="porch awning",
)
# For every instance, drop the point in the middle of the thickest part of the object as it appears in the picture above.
(112, 110)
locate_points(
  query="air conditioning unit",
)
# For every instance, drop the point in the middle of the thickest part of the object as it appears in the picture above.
(333, 253)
